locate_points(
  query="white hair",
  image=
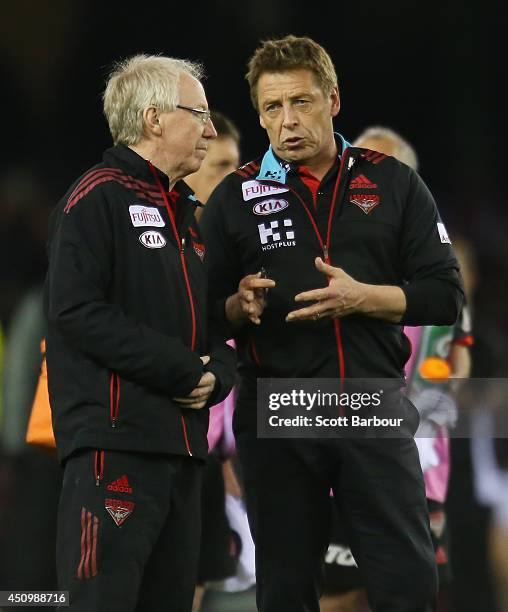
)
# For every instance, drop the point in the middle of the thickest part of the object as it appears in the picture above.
(404, 152)
(137, 83)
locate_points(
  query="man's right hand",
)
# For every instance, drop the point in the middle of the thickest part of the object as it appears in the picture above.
(248, 303)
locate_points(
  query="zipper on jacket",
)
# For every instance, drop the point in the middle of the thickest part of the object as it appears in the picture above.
(189, 292)
(324, 245)
(181, 243)
(114, 399)
(185, 436)
(98, 466)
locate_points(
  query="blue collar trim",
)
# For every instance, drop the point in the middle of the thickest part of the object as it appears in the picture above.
(274, 170)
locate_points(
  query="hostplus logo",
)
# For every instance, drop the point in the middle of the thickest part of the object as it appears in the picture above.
(273, 236)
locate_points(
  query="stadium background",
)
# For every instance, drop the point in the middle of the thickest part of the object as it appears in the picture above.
(428, 70)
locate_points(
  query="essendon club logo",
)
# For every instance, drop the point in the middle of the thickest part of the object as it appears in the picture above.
(119, 509)
(199, 249)
(365, 201)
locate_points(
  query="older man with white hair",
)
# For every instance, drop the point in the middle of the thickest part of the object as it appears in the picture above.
(132, 368)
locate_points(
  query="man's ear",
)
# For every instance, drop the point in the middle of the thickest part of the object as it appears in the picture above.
(335, 102)
(151, 121)
(262, 122)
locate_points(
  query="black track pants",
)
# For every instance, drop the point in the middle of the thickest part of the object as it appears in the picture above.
(379, 487)
(129, 531)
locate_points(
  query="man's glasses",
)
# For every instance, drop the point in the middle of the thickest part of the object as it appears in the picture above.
(202, 115)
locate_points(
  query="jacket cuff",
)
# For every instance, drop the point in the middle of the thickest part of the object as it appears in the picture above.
(187, 382)
(225, 375)
(431, 302)
(220, 318)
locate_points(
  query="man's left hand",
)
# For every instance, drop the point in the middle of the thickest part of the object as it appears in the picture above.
(344, 295)
(198, 397)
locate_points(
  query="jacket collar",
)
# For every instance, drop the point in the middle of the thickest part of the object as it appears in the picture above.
(132, 163)
(273, 168)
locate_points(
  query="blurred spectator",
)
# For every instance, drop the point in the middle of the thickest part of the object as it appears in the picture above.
(29, 477)
(472, 588)
(24, 211)
(222, 549)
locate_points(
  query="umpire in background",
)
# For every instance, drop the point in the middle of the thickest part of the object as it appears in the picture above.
(132, 366)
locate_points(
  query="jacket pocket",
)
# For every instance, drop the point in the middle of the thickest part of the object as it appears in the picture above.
(98, 466)
(114, 399)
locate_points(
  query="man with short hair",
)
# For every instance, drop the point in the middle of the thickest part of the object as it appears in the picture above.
(132, 366)
(355, 237)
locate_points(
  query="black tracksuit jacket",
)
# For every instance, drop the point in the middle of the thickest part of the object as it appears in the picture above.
(125, 301)
(373, 217)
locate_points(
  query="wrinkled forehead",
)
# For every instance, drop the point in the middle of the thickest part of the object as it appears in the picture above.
(286, 81)
(192, 92)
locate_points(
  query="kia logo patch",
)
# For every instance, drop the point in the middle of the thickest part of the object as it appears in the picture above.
(267, 207)
(152, 240)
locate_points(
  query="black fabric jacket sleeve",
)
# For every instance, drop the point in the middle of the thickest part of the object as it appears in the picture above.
(433, 290)
(219, 257)
(80, 271)
(222, 363)
(223, 271)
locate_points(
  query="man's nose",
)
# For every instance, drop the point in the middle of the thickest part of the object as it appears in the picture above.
(210, 131)
(289, 118)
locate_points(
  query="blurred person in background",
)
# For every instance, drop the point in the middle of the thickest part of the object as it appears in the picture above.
(219, 551)
(490, 468)
(24, 210)
(471, 519)
(132, 365)
(477, 503)
(222, 157)
(356, 236)
(27, 550)
(343, 581)
(27, 558)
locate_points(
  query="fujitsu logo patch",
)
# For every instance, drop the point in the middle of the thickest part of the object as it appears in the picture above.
(152, 240)
(267, 207)
(273, 236)
(142, 216)
(255, 189)
(119, 510)
(121, 485)
(362, 182)
(365, 201)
